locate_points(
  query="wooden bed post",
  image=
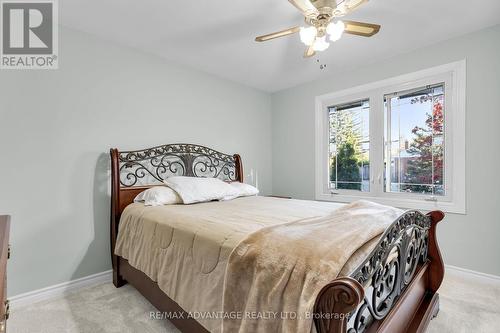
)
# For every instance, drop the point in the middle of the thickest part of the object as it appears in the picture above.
(436, 272)
(436, 265)
(239, 167)
(334, 304)
(118, 281)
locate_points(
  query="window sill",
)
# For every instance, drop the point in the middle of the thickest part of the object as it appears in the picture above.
(445, 206)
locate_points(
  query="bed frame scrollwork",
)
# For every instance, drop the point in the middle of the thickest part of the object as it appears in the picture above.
(389, 270)
(153, 165)
(395, 288)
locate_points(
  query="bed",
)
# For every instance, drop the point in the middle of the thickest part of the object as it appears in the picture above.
(179, 257)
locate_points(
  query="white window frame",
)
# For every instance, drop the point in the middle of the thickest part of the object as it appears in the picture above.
(454, 77)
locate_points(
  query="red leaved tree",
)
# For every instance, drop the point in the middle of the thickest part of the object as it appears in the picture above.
(428, 150)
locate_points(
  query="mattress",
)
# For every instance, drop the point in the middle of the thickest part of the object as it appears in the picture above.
(185, 248)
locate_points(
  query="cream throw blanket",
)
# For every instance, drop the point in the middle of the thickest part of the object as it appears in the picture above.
(277, 272)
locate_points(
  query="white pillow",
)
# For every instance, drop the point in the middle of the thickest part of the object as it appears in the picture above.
(243, 190)
(157, 196)
(193, 189)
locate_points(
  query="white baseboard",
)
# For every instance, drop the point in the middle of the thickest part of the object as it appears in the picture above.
(59, 289)
(464, 271)
(73, 285)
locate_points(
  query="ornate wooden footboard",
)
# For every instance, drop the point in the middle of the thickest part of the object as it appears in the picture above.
(394, 289)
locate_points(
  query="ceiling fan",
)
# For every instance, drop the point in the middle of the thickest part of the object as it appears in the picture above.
(322, 18)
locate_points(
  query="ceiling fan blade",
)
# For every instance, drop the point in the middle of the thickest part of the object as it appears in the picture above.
(309, 52)
(345, 7)
(361, 28)
(305, 6)
(278, 34)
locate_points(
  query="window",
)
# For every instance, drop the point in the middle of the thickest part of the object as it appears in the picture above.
(399, 141)
(414, 139)
(349, 148)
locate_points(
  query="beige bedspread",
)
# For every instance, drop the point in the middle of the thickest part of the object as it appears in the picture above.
(185, 248)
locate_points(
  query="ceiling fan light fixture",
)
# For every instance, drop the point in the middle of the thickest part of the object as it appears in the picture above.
(319, 30)
(308, 35)
(320, 44)
(335, 30)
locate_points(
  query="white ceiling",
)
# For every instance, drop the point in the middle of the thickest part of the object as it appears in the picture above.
(217, 36)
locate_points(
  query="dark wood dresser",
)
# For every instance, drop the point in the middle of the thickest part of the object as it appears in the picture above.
(4, 256)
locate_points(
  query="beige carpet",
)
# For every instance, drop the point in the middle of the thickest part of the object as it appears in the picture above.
(468, 304)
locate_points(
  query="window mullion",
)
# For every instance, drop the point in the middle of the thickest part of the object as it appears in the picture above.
(376, 143)
(387, 142)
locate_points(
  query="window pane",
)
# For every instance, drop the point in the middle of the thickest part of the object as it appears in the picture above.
(349, 147)
(414, 137)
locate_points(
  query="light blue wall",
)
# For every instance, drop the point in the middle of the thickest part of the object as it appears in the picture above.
(56, 128)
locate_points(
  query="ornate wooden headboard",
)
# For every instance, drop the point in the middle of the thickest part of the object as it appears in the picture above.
(135, 171)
